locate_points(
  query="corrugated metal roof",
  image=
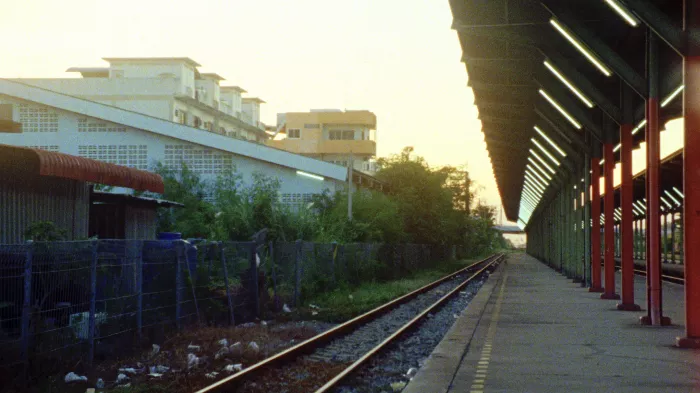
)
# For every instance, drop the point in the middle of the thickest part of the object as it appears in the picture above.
(108, 197)
(46, 163)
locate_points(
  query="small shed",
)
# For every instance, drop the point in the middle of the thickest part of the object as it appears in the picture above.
(124, 216)
(38, 185)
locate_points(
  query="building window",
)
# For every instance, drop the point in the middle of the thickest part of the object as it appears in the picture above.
(294, 133)
(133, 156)
(197, 121)
(37, 119)
(198, 160)
(208, 125)
(312, 126)
(53, 148)
(340, 162)
(93, 125)
(296, 201)
(341, 135)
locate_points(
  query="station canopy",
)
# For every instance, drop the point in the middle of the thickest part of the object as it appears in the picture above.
(547, 77)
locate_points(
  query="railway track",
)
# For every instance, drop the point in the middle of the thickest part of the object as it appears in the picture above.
(665, 277)
(321, 363)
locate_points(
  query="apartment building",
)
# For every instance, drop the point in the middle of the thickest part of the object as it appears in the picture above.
(330, 135)
(169, 88)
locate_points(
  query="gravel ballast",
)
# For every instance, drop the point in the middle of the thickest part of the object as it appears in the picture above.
(388, 371)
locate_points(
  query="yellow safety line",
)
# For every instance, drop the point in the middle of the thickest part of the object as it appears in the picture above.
(483, 364)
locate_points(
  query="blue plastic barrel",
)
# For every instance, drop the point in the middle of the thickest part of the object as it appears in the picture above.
(169, 236)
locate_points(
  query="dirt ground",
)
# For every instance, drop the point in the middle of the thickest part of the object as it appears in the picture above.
(269, 338)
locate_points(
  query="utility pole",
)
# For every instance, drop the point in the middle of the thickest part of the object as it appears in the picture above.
(350, 187)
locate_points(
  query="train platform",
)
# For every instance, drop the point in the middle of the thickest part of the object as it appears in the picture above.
(530, 329)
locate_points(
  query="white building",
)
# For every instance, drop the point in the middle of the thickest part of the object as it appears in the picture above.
(168, 88)
(60, 122)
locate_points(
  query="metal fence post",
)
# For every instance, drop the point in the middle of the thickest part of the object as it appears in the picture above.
(179, 249)
(93, 297)
(334, 255)
(339, 268)
(396, 256)
(27, 304)
(273, 271)
(139, 294)
(192, 281)
(254, 272)
(232, 319)
(297, 272)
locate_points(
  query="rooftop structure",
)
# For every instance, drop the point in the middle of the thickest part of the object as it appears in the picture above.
(170, 88)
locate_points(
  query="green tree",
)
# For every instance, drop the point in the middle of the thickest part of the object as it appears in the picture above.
(375, 218)
(424, 201)
(197, 216)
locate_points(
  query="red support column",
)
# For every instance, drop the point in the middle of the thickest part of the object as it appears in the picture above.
(653, 224)
(626, 231)
(691, 178)
(609, 205)
(595, 230)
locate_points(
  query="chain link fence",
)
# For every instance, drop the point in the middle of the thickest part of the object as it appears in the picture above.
(70, 302)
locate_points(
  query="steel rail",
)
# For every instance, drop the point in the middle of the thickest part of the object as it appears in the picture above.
(361, 361)
(322, 338)
(665, 277)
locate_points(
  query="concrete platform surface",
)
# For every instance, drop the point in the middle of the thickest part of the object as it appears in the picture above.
(539, 332)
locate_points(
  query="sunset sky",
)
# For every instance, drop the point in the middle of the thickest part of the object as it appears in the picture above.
(397, 58)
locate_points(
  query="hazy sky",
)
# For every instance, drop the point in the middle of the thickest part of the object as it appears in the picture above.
(398, 58)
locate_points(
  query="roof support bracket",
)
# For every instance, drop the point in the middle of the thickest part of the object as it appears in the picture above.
(658, 22)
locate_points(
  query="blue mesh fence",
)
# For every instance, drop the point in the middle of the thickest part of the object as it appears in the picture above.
(88, 300)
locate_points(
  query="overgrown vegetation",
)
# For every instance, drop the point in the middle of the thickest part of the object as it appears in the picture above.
(346, 302)
(421, 205)
(45, 231)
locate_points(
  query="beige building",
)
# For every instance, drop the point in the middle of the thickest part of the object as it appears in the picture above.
(330, 135)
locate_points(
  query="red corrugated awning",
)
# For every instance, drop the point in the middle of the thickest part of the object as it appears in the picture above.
(46, 163)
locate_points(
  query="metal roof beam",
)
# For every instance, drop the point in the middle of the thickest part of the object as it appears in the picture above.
(498, 62)
(500, 32)
(516, 67)
(559, 61)
(586, 86)
(510, 117)
(503, 105)
(558, 93)
(597, 46)
(500, 88)
(562, 143)
(510, 144)
(659, 23)
(565, 131)
(499, 120)
(506, 100)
